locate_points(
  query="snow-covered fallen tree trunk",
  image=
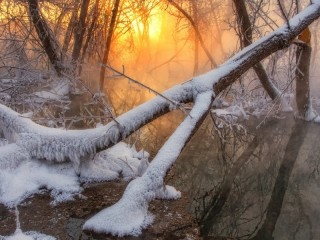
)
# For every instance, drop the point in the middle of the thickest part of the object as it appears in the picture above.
(130, 214)
(55, 144)
(60, 145)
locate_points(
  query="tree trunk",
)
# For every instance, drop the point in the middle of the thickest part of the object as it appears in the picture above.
(68, 34)
(108, 44)
(42, 143)
(303, 57)
(90, 32)
(196, 40)
(44, 33)
(79, 33)
(245, 40)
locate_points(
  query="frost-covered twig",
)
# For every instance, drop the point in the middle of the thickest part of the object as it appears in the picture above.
(175, 104)
(94, 96)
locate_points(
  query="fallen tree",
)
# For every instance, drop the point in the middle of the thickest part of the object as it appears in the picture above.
(130, 214)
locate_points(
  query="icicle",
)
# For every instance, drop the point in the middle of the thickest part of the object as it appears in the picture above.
(16, 212)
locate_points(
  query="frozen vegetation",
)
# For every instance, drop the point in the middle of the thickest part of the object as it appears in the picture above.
(35, 157)
(26, 176)
(30, 235)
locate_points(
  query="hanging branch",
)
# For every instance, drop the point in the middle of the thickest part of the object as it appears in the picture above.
(283, 13)
(197, 32)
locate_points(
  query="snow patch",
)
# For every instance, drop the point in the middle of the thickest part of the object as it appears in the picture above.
(168, 192)
(23, 177)
(285, 103)
(59, 90)
(120, 160)
(31, 235)
(233, 112)
(311, 115)
(17, 184)
(123, 218)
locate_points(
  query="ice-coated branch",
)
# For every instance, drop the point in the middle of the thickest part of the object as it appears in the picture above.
(12, 155)
(59, 145)
(130, 214)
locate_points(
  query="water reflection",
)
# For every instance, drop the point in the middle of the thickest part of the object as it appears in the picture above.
(260, 186)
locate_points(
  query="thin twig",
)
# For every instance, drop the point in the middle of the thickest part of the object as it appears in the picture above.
(176, 104)
(93, 96)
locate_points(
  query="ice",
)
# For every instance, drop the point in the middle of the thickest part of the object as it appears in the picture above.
(31, 235)
(120, 160)
(16, 184)
(168, 192)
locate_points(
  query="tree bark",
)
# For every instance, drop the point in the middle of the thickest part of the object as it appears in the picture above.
(68, 34)
(108, 44)
(303, 56)
(79, 33)
(90, 31)
(44, 33)
(196, 40)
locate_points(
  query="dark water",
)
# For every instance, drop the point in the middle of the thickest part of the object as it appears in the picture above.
(243, 183)
(257, 186)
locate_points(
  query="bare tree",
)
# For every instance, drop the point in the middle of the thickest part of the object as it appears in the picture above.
(32, 140)
(79, 32)
(45, 35)
(303, 58)
(196, 29)
(108, 43)
(246, 27)
(70, 27)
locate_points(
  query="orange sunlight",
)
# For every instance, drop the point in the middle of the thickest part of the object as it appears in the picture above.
(153, 28)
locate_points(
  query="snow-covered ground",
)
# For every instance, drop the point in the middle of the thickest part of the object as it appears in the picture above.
(30, 235)
(29, 176)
